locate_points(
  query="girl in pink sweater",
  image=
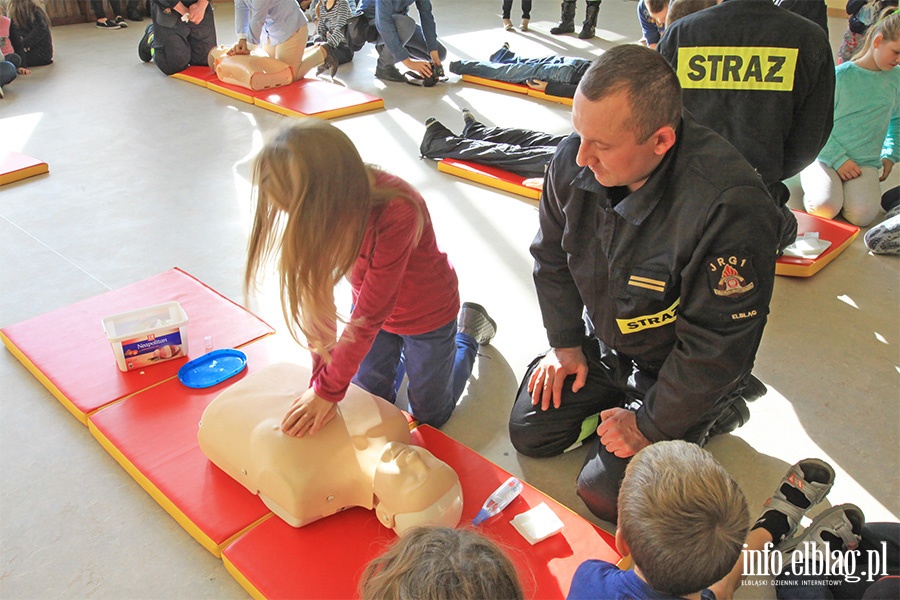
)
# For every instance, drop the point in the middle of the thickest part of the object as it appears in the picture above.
(322, 215)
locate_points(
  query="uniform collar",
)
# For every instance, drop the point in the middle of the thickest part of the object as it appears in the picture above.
(636, 206)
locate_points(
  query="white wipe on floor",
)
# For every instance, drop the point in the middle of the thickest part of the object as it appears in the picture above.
(537, 524)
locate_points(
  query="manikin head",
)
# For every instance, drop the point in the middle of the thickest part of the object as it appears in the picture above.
(358, 456)
(413, 488)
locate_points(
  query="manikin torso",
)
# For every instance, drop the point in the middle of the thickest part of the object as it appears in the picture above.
(360, 458)
(249, 70)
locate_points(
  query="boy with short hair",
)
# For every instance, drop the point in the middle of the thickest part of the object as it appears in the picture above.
(682, 518)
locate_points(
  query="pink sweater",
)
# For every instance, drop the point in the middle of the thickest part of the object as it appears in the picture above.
(5, 43)
(400, 287)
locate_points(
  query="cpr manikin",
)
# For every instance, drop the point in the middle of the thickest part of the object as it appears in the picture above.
(249, 70)
(362, 457)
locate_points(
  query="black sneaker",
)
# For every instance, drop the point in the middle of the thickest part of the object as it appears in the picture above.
(107, 24)
(135, 16)
(121, 22)
(390, 73)
(145, 46)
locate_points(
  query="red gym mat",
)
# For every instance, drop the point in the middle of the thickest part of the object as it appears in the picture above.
(68, 351)
(305, 98)
(839, 234)
(15, 167)
(518, 88)
(325, 559)
(153, 435)
(316, 98)
(489, 176)
(198, 75)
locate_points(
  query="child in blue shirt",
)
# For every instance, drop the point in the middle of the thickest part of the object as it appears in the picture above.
(682, 518)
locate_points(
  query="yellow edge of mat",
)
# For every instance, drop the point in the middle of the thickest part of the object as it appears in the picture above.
(327, 114)
(549, 98)
(239, 577)
(230, 93)
(189, 79)
(500, 85)
(25, 173)
(157, 495)
(32, 368)
(810, 270)
(349, 110)
(489, 181)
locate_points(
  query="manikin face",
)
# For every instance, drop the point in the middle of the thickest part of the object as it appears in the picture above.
(609, 148)
(886, 53)
(410, 480)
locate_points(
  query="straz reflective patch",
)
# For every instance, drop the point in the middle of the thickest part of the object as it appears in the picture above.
(737, 68)
(635, 324)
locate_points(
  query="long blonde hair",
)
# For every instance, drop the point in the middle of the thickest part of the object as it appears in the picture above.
(440, 563)
(313, 198)
(887, 25)
(22, 12)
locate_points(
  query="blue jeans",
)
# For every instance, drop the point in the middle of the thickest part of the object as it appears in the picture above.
(7, 72)
(413, 39)
(504, 65)
(438, 364)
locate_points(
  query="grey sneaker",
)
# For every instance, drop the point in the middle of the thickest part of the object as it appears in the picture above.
(390, 73)
(475, 321)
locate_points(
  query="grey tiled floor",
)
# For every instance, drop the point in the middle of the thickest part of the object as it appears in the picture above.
(149, 172)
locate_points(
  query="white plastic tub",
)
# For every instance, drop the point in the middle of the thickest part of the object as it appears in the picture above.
(147, 336)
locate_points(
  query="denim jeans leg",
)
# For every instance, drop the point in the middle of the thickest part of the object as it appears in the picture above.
(430, 364)
(378, 369)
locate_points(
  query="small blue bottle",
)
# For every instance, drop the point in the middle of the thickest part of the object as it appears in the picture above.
(499, 500)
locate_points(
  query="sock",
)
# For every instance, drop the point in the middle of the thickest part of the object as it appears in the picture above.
(311, 58)
(775, 523)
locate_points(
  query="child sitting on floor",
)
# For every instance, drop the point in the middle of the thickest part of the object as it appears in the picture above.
(439, 563)
(682, 518)
(866, 136)
(32, 40)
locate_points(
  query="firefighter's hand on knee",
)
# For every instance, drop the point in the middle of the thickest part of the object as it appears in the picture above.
(546, 382)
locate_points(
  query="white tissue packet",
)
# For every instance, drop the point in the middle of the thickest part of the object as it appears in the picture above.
(807, 245)
(537, 524)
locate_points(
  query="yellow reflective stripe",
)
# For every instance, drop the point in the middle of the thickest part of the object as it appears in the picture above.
(655, 288)
(635, 324)
(656, 282)
(737, 68)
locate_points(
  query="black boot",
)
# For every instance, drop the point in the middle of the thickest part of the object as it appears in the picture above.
(590, 20)
(738, 413)
(566, 19)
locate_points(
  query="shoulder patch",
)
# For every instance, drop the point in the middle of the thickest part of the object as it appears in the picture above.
(731, 276)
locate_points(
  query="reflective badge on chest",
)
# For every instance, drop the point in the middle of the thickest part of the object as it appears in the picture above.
(731, 276)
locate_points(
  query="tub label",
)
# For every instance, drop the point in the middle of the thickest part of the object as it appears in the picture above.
(151, 349)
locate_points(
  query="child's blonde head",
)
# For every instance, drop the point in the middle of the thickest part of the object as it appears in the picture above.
(22, 12)
(682, 516)
(314, 196)
(439, 563)
(887, 25)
